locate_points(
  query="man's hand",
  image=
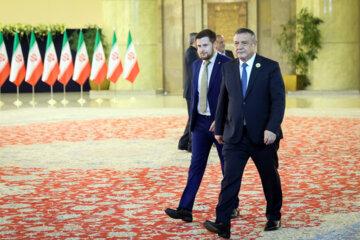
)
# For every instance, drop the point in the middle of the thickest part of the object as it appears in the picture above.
(212, 127)
(269, 137)
(219, 138)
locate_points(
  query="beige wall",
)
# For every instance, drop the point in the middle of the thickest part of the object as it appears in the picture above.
(173, 45)
(272, 14)
(72, 13)
(337, 66)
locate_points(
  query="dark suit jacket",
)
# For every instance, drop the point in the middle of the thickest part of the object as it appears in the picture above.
(263, 106)
(229, 54)
(213, 90)
(190, 56)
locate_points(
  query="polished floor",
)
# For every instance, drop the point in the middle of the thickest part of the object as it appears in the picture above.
(109, 99)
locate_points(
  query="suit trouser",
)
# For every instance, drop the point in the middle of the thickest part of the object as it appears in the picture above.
(266, 162)
(202, 140)
(185, 140)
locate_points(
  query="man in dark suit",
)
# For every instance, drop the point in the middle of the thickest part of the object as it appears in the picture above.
(220, 47)
(248, 118)
(190, 56)
(205, 91)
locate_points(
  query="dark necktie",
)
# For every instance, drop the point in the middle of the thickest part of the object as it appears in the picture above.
(244, 78)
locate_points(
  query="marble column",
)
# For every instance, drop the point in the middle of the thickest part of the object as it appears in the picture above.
(338, 63)
(143, 19)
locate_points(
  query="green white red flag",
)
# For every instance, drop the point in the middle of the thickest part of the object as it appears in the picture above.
(98, 67)
(51, 66)
(34, 63)
(115, 65)
(4, 62)
(131, 66)
(82, 64)
(66, 63)
(18, 71)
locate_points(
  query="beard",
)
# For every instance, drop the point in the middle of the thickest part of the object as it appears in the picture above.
(208, 56)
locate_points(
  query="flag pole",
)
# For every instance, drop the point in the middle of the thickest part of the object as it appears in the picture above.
(81, 100)
(64, 101)
(33, 102)
(17, 103)
(132, 98)
(1, 102)
(99, 100)
(52, 101)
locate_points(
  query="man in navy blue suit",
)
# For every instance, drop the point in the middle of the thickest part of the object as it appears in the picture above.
(205, 91)
(249, 114)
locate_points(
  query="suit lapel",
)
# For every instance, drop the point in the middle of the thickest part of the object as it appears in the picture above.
(196, 74)
(254, 71)
(236, 70)
(215, 69)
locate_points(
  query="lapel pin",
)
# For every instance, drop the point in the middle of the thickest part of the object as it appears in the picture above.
(219, 62)
(258, 65)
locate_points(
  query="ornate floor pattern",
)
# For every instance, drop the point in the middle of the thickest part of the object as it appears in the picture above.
(112, 178)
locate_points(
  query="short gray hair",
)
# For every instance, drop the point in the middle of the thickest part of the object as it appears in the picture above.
(192, 37)
(246, 30)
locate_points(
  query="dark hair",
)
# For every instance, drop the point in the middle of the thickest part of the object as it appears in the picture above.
(246, 30)
(207, 33)
(192, 37)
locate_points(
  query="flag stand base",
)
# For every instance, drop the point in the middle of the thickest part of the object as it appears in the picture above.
(64, 102)
(99, 100)
(18, 103)
(81, 101)
(52, 102)
(33, 102)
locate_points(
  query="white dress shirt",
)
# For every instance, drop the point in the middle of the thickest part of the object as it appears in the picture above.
(249, 66)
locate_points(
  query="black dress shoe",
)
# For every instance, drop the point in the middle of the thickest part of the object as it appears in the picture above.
(223, 230)
(182, 148)
(235, 213)
(272, 225)
(180, 213)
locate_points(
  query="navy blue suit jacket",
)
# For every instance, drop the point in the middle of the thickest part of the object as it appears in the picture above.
(262, 108)
(213, 90)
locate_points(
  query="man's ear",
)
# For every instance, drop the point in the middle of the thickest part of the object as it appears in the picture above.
(215, 45)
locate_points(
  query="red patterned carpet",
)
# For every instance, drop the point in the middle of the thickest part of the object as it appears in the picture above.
(113, 178)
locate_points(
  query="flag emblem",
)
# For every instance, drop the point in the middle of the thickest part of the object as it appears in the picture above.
(18, 58)
(2, 57)
(115, 56)
(33, 57)
(65, 57)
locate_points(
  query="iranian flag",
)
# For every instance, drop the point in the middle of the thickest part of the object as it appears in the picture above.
(51, 66)
(4, 62)
(82, 64)
(18, 71)
(98, 68)
(66, 63)
(131, 66)
(115, 65)
(34, 63)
